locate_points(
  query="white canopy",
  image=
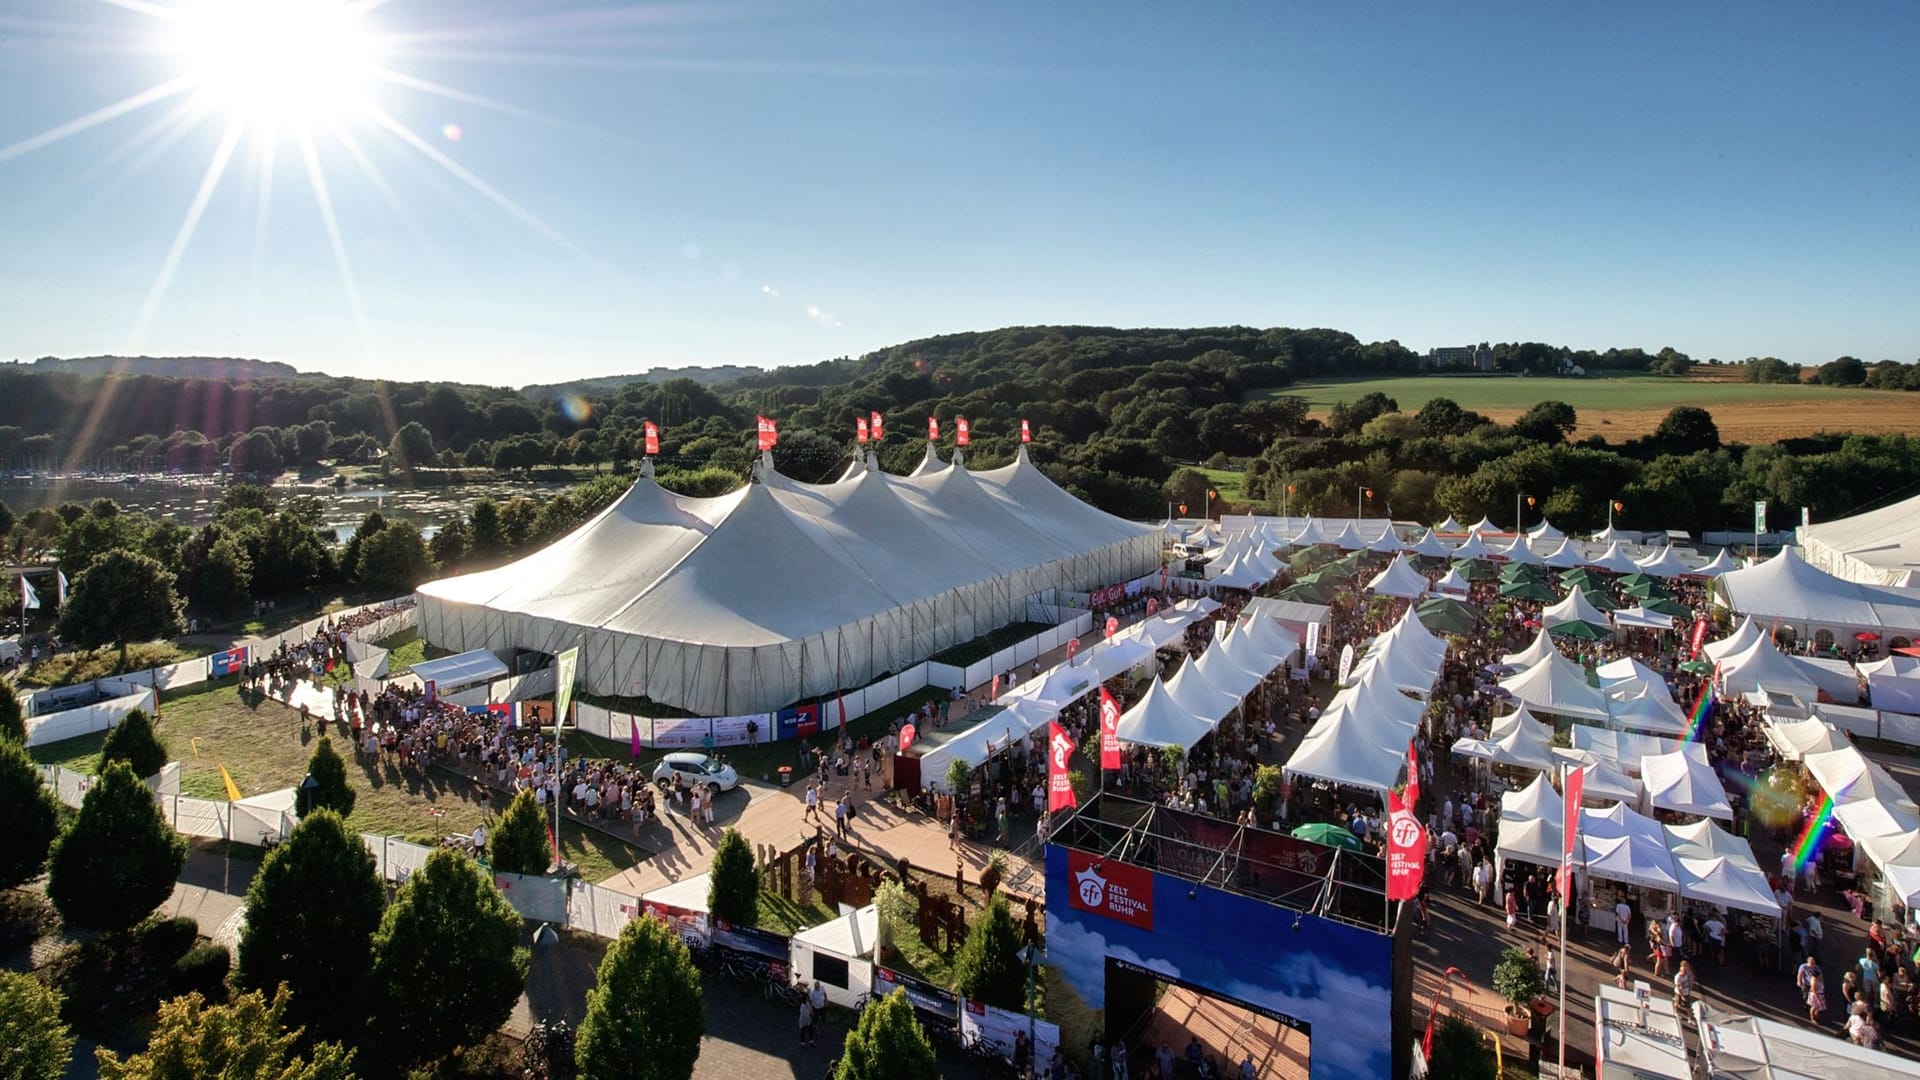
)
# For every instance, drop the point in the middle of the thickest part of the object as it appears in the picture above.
(1739, 641)
(1432, 546)
(1413, 634)
(1310, 533)
(1545, 531)
(1879, 547)
(1557, 685)
(1721, 563)
(1484, 525)
(929, 462)
(1267, 634)
(1541, 648)
(1664, 562)
(1795, 739)
(1540, 841)
(1566, 556)
(1892, 849)
(1238, 569)
(1608, 535)
(1603, 781)
(1629, 671)
(1449, 526)
(1348, 538)
(1386, 543)
(1574, 608)
(1157, 720)
(1727, 884)
(470, 668)
(1192, 692)
(1684, 782)
(1705, 840)
(1361, 740)
(1762, 666)
(1613, 559)
(1160, 629)
(1520, 551)
(1623, 748)
(1517, 739)
(1221, 672)
(1537, 800)
(1847, 775)
(1452, 583)
(1621, 845)
(1246, 651)
(1641, 618)
(1472, 548)
(1399, 579)
(1649, 711)
(1785, 587)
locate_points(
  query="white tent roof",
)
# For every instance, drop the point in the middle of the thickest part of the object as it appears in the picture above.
(687, 894)
(1545, 531)
(1411, 633)
(1472, 548)
(1273, 640)
(1621, 845)
(1785, 587)
(1739, 641)
(1519, 551)
(1432, 546)
(1541, 648)
(1386, 543)
(1191, 691)
(1727, 884)
(1355, 744)
(1721, 563)
(1310, 533)
(1623, 748)
(1603, 780)
(1540, 841)
(1399, 579)
(1892, 849)
(1847, 775)
(929, 462)
(853, 935)
(1536, 800)
(1575, 607)
(1652, 712)
(1159, 629)
(1157, 720)
(1872, 817)
(1557, 685)
(1608, 535)
(1879, 547)
(1452, 583)
(1704, 839)
(1238, 571)
(1683, 781)
(1250, 651)
(1398, 667)
(1449, 526)
(1795, 739)
(1897, 666)
(1762, 666)
(1630, 671)
(1613, 559)
(1665, 562)
(1642, 618)
(1485, 525)
(1566, 556)
(470, 668)
(1347, 538)
(1221, 672)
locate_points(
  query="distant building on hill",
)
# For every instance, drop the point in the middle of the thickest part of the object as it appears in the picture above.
(1460, 357)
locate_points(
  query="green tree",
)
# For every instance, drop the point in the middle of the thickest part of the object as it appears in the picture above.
(32, 817)
(310, 441)
(733, 894)
(1687, 428)
(519, 841)
(246, 1037)
(133, 741)
(216, 572)
(412, 446)
(331, 791)
(449, 545)
(448, 964)
(311, 913)
(34, 1042)
(489, 536)
(395, 559)
(1547, 422)
(1769, 369)
(1460, 1050)
(121, 597)
(118, 860)
(257, 453)
(988, 966)
(1844, 371)
(13, 725)
(887, 1044)
(647, 975)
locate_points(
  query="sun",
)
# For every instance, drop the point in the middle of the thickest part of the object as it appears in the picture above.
(278, 63)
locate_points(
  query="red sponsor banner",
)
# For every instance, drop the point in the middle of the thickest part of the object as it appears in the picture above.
(809, 723)
(960, 431)
(860, 429)
(769, 433)
(1699, 637)
(653, 438)
(1112, 888)
(1073, 646)
(1413, 778)
(933, 428)
(1059, 781)
(1113, 626)
(1109, 731)
(1026, 433)
(1570, 828)
(1153, 605)
(1406, 851)
(907, 734)
(878, 426)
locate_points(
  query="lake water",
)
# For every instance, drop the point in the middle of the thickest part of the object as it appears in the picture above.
(191, 500)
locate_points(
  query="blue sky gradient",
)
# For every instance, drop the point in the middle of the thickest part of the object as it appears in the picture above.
(772, 183)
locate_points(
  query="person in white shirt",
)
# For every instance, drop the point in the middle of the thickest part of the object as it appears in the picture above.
(1622, 921)
(1716, 929)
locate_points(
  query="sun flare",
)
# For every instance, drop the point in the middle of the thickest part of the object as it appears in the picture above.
(279, 62)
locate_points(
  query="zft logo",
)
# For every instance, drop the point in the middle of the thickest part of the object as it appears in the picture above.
(1061, 746)
(1406, 830)
(1093, 887)
(1109, 714)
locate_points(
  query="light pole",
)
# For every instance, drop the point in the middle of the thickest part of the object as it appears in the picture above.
(1520, 523)
(1211, 495)
(1613, 505)
(1359, 493)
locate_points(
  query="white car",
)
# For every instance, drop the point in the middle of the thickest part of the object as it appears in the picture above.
(695, 768)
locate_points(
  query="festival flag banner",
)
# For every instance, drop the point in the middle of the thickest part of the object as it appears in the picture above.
(933, 429)
(1113, 626)
(653, 438)
(960, 431)
(28, 598)
(1073, 646)
(1413, 778)
(564, 666)
(1699, 637)
(879, 426)
(227, 663)
(60, 582)
(860, 429)
(1026, 433)
(908, 733)
(994, 694)
(1059, 781)
(1760, 517)
(1109, 731)
(1570, 828)
(1406, 850)
(769, 433)
(633, 729)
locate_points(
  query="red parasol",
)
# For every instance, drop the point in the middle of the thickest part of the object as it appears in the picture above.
(1866, 635)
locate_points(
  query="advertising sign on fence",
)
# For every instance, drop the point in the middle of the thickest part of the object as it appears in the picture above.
(692, 926)
(741, 730)
(925, 996)
(681, 734)
(978, 1020)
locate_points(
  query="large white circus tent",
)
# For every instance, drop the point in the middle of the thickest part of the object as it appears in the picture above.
(779, 591)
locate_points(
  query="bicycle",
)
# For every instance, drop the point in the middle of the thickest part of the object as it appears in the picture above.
(982, 1049)
(779, 990)
(269, 840)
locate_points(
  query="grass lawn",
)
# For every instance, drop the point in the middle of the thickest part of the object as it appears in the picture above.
(263, 748)
(404, 650)
(787, 915)
(86, 665)
(1225, 481)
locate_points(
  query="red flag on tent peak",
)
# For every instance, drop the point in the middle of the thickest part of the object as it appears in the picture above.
(878, 425)
(769, 433)
(1060, 794)
(1109, 731)
(933, 429)
(960, 431)
(653, 438)
(860, 429)
(1026, 433)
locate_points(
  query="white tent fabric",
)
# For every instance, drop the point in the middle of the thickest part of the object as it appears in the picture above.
(1519, 551)
(1386, 543)
(1603, 780)
(1545, 532)
(1836, 678)
(1242, 647)
(1904, 880)
(1541, 648)
(1623, 748)
(1613, 559)
(1432, 546)
(1564, 557)
(1237, 571)
(1485, 526)
(1472, 548)
(1628, 670)
(1665, 562)
(1684, 782)
(1538, 841)
(1219, 670)
(1537, 800)
(1575, 607)
(1408, 629)
(1795, 739)
(929, 462)
(1762, 666)
(1785, 587)
(1642, 619)
(1650, 712)
(1704, 839)
(1892, 849)
(1879, 547)
(1721, 563)
(1273, 640)
(1733, 644)
(471, 668)
(1608, 535)
(1848, 775)
(1727, 884)
(781, 591)
(854, 467)
(1523, 743)
(1354, 744)
(1450, 526)
(1157, 720)
(1621, 845)
(1557, 685)
(1191, 691)
(1399, 579)
(1310, 533)
(1161, 629)
(1452, 583)
(1519, 718)
(1871, 817)
(1900, 667)
(1398, 667)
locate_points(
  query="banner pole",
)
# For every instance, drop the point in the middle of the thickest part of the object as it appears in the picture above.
(1566, 906)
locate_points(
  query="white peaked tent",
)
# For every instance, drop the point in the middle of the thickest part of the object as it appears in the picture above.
(1557, 685)
(1348, 538)
(1613, 559)
(1156, 720)
(1847, 775)
(1272, 639)
(1409, 632)
(1536, 841)
(1621, 845)
(1646, 711)
(1524, 743)
(1452, 583)
(1432, 546)
(1449, 526)
(1399, 579)
(929, 462)
(1237, 570)
(1537, 800)
(1386, 543)
(1633, 674)
(1704, 839)
(1725, 883)
(1721, 563)
(1879, 547)
(1509, 722)
(1241, 647)
(1603, 781)
(1545, 532)
(1763, 666)
(1485, 525)
(1520, 551)
(1310, 533)
(1893, 849)
(855, 467)
(1361, 740)
(1193, 693)
(1795, 739)
(1665, 562)
(1786, 587)
(1574, 608)
(1564, 557)
(1541, 647)
(1399, 667)
(1472, 548)
(1220, 671)
(1608, 535)
(1733, 644)
(1642, 618)
(1684, 782)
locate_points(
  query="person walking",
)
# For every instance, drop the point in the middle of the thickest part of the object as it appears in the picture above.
(1621, 963)
(1622, 922)
(813, 802)
(840, 816)
(1813, 989)
(806, 1022)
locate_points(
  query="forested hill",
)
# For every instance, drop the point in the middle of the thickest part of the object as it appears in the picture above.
(172, 367)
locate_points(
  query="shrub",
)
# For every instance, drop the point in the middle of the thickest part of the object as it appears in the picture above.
(1517, 977)
(165, 940)
(34, 1041)
(203, 970)
(119, 859)
(734, 893)
(646, 975)
(133, 741)
(988, 966)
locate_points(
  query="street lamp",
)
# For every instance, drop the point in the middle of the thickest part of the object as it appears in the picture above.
(305, 798)
(1031, 955)
(1361, 492)
(1211, 495)
(1520, 523)
(1613, 506)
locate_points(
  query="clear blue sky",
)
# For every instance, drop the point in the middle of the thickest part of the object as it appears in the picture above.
(787, 182)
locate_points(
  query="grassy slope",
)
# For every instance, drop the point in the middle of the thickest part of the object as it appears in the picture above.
(1620, 392)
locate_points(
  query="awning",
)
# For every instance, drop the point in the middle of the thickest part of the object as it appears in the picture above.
(451, 673)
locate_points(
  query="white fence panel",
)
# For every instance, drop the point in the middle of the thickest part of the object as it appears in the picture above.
(534, 897)
(912, 680)
(944, 675)
(595, 720)
(601, 911)
(204, 817)
(476, 695)
(1855, 721)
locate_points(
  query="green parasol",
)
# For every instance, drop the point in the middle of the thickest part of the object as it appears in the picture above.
(1581, 576)
(1321, 832)
(1697, 667)
(1528, 590)
(1582, 631)
(1476, 570)
(1445, 614)
(1666, 606)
